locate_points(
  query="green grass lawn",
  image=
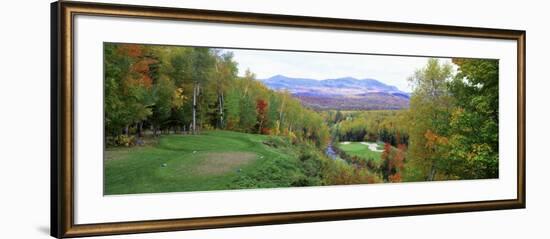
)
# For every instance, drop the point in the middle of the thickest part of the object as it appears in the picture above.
(361, 150)
(213, 160)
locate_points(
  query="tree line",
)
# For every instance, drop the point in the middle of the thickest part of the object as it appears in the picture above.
(372, 126)
(453, 121)
(160, 89)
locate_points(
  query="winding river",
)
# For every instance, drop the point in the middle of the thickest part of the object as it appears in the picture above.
(330, 152)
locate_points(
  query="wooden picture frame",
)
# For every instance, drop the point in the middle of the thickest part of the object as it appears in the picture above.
(62, 118)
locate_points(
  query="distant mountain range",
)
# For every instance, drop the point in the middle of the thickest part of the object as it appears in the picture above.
(345, 93)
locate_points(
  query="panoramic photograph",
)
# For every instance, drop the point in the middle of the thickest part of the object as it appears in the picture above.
(183, 118)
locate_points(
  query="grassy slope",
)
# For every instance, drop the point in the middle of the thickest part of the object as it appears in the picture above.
(141, 170)
(360, 150)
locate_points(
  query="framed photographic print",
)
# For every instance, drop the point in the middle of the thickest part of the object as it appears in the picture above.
(170, 119)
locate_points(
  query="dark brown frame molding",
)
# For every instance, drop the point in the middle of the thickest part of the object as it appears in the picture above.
(62, 118)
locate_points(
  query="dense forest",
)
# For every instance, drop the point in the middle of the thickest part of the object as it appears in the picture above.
(185, 89)
(154, 93)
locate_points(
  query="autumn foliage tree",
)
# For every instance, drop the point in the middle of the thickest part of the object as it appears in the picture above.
(127, 87)
(261, 110)
(398, 164)
(392, 162)
(429, 114)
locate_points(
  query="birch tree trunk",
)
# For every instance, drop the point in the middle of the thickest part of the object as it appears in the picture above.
(196, 106)
(260, 126)
(281, 114)
(220, 103)
(194, 125)
(139, 130)
(431, 176)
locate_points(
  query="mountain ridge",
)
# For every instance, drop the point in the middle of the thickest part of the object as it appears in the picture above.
(348, 81)
(341, 93)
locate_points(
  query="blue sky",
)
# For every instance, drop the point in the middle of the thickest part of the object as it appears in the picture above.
(392, 70)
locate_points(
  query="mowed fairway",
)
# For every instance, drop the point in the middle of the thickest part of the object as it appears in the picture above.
(213, 160)
(360, 150)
